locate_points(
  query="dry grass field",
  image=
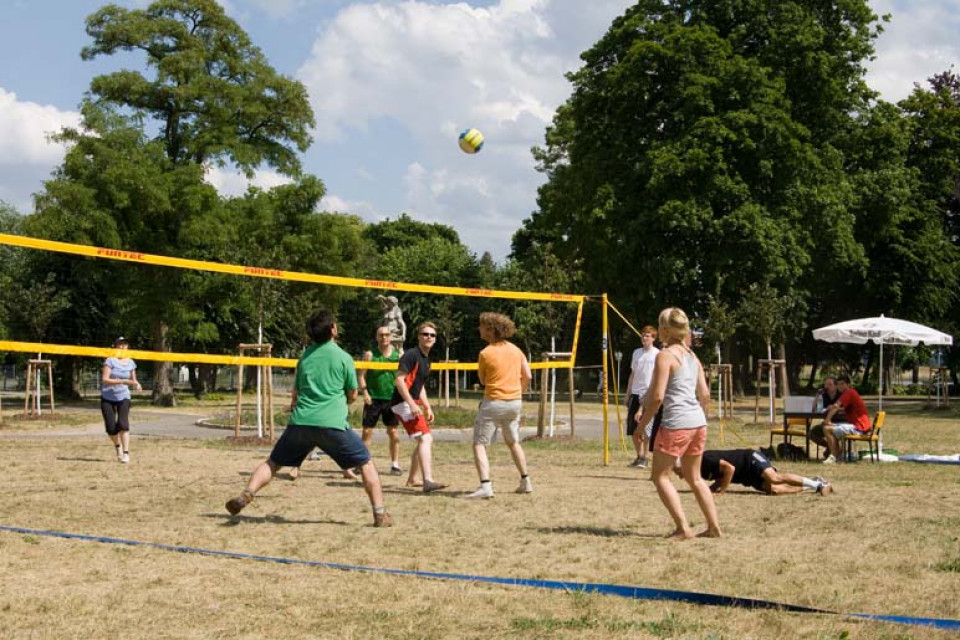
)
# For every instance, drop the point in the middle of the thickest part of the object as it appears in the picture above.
(885, 543)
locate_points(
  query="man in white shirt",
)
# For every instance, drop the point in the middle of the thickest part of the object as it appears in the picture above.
(641, 372)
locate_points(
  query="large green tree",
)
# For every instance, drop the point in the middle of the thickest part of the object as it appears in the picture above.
(698, 153)
(207, 96)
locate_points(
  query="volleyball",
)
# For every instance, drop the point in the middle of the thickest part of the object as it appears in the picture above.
(471, 141)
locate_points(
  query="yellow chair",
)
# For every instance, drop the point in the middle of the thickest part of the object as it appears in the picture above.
(792, 427)
(869, 437)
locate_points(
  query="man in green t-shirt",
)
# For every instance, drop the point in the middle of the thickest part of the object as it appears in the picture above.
(326, 382)
(377, 387)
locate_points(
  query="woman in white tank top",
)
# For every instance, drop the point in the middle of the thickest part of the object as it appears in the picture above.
(679, 384)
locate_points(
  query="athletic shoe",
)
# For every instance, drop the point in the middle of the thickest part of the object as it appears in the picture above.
(125, 458)
(381, 520)
(830, 459)
(314, 455)
(236, 505)
(525, 486)
(429, 486)
(396, 471)
(643, 463)
(639, 461)
(485, 491)
(119, 454)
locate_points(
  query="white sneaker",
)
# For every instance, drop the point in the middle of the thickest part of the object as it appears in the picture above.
(119, 454)
(125, 458)
(830, 459)
(525, 486)
(314, 455)
(485, 491)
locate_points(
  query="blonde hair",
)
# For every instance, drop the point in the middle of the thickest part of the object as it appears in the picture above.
(499, 325)
(674, 324)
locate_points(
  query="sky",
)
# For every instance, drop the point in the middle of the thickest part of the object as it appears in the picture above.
(392, 83)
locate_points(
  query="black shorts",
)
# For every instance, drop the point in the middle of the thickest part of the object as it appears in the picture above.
(758, 464)
(633, 405)
(378, 409)
(343, 446)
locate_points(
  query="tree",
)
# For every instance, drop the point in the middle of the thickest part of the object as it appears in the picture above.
(700, 153)
(212, 99)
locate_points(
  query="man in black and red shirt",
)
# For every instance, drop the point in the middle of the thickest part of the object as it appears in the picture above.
(412, 406)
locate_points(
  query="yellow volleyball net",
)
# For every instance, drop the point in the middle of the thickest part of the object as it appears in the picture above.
(574, 301)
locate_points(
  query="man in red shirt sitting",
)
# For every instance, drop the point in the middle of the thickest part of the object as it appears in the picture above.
(858, 420)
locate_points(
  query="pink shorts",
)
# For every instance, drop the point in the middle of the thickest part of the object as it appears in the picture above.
(681, 442)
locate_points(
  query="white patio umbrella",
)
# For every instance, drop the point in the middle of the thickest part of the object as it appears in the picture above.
(882, 331)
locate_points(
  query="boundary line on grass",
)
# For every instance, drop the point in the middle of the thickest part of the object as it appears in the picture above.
(623, 591)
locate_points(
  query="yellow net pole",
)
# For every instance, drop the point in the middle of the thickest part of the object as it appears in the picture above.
(606, 347)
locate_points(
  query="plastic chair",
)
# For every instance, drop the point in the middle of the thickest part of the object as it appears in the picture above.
(869, 437)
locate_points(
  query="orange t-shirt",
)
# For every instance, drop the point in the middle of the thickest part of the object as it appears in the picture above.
(501, 369)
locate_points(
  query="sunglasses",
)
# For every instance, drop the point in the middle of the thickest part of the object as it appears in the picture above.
(428, 335)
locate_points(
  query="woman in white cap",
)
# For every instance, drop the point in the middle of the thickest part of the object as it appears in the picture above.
(118, 375)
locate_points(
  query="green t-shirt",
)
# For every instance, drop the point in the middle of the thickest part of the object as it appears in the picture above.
(380, 381)
(324, 373)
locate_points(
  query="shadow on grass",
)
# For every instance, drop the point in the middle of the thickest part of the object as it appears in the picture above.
(80, 459)
(601, 532)
(232, 521)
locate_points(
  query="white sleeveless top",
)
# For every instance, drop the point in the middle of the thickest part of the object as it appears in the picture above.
(681, 409)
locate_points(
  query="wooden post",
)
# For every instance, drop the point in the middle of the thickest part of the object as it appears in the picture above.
(778, 367)
(544, 389)
(236, 424)
(33, 385)
(266, 389)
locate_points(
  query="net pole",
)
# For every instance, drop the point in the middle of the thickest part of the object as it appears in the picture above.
(605, 348)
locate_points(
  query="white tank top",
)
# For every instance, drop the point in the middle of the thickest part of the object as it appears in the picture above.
(681, 409)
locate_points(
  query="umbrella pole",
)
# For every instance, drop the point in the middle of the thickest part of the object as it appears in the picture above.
(880, 439)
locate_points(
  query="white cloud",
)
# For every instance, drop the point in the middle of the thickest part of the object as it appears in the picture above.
(919, 41)
(230, 182)
(439, 68)
(24, 131)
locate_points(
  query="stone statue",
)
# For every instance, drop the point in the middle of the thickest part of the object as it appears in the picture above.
(393, 318)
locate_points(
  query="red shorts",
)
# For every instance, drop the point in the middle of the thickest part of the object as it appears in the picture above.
(415, 426)
(681, 442)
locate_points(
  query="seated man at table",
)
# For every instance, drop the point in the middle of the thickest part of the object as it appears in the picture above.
(827, 395)
(752, 469)
(856, 420)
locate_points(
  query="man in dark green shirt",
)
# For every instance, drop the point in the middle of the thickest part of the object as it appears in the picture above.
(326, 382)
(376, 388)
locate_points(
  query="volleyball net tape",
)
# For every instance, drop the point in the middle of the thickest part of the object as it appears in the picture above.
(263, 272)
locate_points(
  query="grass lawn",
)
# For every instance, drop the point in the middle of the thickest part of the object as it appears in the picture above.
(886, 542)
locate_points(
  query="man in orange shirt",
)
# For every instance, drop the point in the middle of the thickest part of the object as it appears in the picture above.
(857, 418)
(505, 373)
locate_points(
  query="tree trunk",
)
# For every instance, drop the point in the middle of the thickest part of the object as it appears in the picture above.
(162, 371)
(196, 385)
(208, 377)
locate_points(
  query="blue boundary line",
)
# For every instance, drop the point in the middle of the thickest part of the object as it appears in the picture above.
(623, 591)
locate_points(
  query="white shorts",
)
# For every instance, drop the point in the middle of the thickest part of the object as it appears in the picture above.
(497, 414)
(842, 429)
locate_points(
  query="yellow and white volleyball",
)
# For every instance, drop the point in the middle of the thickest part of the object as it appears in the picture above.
(471, 141)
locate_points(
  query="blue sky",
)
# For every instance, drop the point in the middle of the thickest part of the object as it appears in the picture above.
(392, 82)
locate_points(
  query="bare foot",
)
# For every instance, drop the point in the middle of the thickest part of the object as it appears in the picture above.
(710, 533)
(413, 483)
(294, 473)
(680, 534)
(349, 474)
